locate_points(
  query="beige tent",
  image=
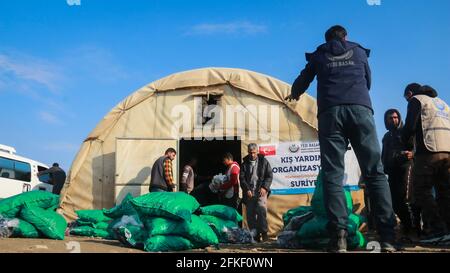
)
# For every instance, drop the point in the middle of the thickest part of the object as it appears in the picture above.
(117, 155)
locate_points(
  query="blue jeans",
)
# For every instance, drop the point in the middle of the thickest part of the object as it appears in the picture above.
(354, 124)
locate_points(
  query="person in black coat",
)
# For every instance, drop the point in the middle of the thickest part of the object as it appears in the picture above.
(397, 162)
(255, 179)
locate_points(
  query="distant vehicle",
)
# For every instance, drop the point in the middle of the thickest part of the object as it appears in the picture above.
(19, 174)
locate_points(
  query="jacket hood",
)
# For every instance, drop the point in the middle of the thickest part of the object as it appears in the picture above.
(338, 47)
(387, 114)
(428, 91)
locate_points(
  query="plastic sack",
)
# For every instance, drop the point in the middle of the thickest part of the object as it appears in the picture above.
(318, 201)
(164, 243)
(49, 223)
(131, 236)
(356, 241)
(126, 220)
(89, 231)
(221, 211)
(302, 210)
(219, 226)
(288, 239)
(92, 216)
(197, 231)
(125, 208)
(10, 207)
(237, 235)
(100, 225)
(317, 227)
(217, 182)
(297, 221)
(7, 226)
(25, 230)
(174, 205)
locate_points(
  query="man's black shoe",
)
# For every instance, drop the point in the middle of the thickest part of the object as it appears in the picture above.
(264, 237)
(338, 242)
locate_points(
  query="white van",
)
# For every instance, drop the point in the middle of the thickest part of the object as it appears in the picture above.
(19, 174)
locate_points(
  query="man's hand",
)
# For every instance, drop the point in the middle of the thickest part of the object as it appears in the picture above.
(262, 192)
(249, 194)
(290, 98)
(409, 155)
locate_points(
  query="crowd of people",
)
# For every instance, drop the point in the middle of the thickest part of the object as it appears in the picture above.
(247, 183)
(408, 177)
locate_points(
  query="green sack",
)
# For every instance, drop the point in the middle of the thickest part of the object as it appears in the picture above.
(219, 226)
(174, 205)
(125, 208)
(317, 227)
(92, 216)
(25, 230)
(133, 220)
(88, 231)
(357, 241)
(221, 211)
(197, 231)
(10, 207)
(299, 211)
(164, 243)
(318, 201)
(101, 225)
(51, 224)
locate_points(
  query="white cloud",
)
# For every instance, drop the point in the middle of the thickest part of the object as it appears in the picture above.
(238, 27)
(22, 71)
(49, 118)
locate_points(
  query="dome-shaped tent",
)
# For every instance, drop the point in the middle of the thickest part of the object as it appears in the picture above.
(101, 173)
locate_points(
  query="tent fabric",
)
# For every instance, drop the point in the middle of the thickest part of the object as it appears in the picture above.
(146, 114)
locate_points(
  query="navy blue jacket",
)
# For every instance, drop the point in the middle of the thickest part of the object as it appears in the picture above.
(343, 75)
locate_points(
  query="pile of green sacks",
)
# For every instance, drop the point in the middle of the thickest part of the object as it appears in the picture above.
(36, 215)
(313, 233)
(221, 218)
(156, 222)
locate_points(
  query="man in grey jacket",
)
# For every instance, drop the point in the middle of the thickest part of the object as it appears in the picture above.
(256, 179)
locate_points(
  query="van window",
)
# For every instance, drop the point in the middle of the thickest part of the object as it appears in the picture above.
(45, 178)
(14, 169)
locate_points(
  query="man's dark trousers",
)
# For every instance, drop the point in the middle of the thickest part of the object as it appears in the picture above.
(338, 126)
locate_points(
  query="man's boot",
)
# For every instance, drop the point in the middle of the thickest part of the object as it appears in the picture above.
(264, 237)
(338, 242)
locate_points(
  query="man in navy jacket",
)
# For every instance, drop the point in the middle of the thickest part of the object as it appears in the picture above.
(346, 117)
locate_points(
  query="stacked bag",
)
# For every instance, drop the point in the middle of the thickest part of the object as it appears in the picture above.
(154, 222)
(306, 226)
(224, 221)
(33, 215)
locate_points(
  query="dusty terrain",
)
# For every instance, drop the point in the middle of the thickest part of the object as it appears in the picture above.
(92, 245)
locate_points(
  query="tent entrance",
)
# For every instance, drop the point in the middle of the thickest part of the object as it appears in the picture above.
(209, 157)
(134, 161)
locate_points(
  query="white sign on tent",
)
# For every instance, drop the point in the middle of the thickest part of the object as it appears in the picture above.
(295, 166)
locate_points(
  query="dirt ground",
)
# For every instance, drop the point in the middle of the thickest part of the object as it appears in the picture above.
(92, 245)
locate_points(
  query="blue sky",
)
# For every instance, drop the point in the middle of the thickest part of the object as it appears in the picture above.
(62, 68)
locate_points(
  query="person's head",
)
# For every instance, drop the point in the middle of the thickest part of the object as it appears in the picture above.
(392, 119)
(336, 32)
(55, 164)
(171, 153)
(193, 162)
(227, 159)
(411, 90)
(253, 151)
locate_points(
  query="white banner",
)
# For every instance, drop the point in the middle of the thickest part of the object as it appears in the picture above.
(295, 166)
